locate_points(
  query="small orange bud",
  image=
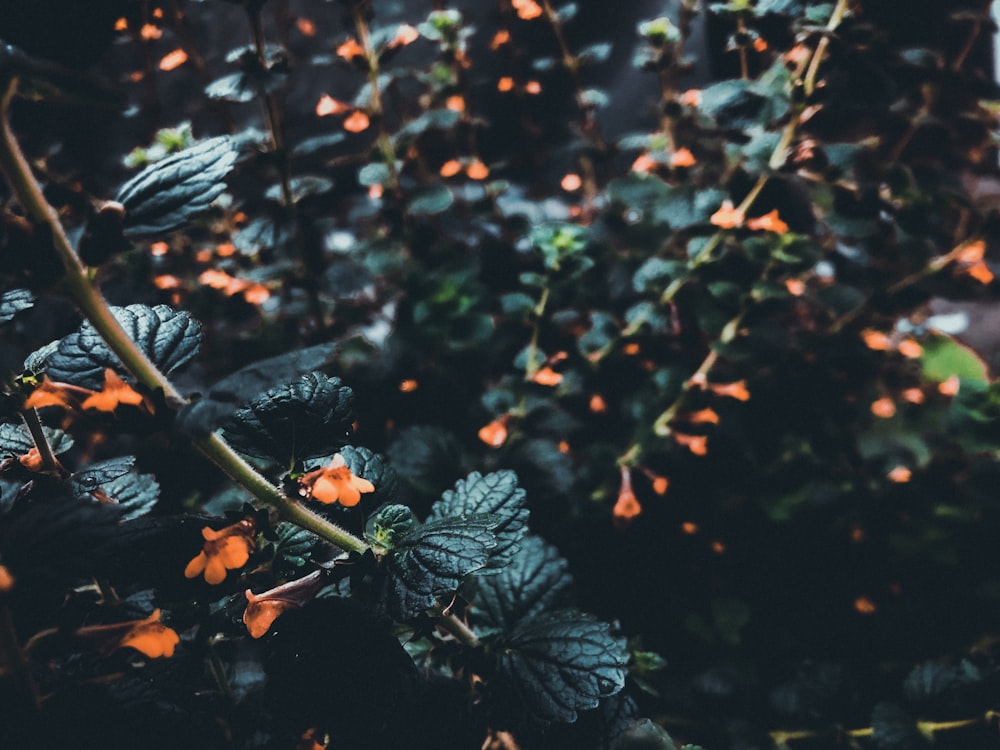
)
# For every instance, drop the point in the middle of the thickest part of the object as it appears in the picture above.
(981, 272)
(875, 340)
(6, 580)
(225, 249)
(533, 87)
(913, 396)
(159, 248)
(760, 44)
(455, 103)
(408, 386)
(597, 404)
(257, 294)
(349, 50)
(691, 98)
(865, 606)
(644, 164)
(702, 416)
(499, 39)
(327, 105)
(737, 390)
(660, 485)
(718, 547)
(505, 84)
(121, 24)
(527, 9)
(305, 27)
(450, 168)
(690, 528)
(166, 281)
(795, 287)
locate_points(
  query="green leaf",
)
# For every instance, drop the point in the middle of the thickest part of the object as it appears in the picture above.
(732, 103)
(390, 522)
(431, 200)
(16, 440)
(302, 187)
(685, 205)
(307, 418)
(94, 476)
(497, 494)
(237, 88)
(893, 729)
(134, 493)
(944, 357)
(292, 548)
(928, 681)
(166, 195)
(168, 337)
(536, 581)
(376, 173)
(432, 560)
(560, 663)
(426, 456)
(13, 302)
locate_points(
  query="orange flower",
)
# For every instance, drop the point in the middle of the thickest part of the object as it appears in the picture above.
(225, 549)
(627, 507)
(864, 605)
(350, 49)
(697, 444)
(883, 407)
(533, 87)
(495, 433)
(6, 580)
(477, 170)
(499, 39)
(408, 386)
(644, 164)
(571, 182)
(760, 44)
(505, 84)
(737, 390)
(264, 608)
(597, 404)
(149, 32)
(795, 287)
(148, 636)
(121, 24)
(115, 391)
(910, 348)
(973, 252)
(526, 9)
(311, 740)
(49, 393)
(357, 122)
(151, 637)
(702, 416)
(769, 222)
(32, 460)
(455, 103)
(875, 339)
(980, 272)
(900, 474)
(727, 217)
(547, 376)
(682, 158)
(327, 105)
(173, 59)
(913, 395)
(305, 27)
(690, 528)
(335, 483)
(450, 168)
(950, 386)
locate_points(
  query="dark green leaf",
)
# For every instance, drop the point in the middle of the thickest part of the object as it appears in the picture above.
(16, 440)
(929, 680)
(426, 456)
(431, 561)
(94, 476)
(13, 302)
(235, 87)
(431, 200)
(686, 205)
(376, 173)
(167, 194)
(134, 493)
(292, 549)
(496, 494)
(561, 663)
(732, 104)
(893, 729)
(168, 337)
(391, 523)
(301, 187)
(536, 581)
(595, 53)
(308, 418)
(220, 403)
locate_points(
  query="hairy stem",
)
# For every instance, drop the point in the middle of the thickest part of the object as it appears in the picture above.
(34, 424)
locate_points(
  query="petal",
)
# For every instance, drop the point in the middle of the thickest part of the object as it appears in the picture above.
(259, 616)
(153, 640)
(349, 495)
(103, 401)
(363, 484)
(196, 566)
(215, 571)
(235, 552)
(325, 491)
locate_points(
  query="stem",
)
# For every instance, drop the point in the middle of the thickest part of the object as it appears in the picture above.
(532, 366)
(459, 629)
(809, 84)
(384, 143)
(79, 287)
(14, 657)
(928, 728)
(49, 462)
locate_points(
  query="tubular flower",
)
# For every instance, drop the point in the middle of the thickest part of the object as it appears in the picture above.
(264, 608)
(148, 636)
(225, 549)
(115, 391)
(627, 506)
(494, 434)
(335, 483)
(769, 222)
(48, 393)
(727, 217)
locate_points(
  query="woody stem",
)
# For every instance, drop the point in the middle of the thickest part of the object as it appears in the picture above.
(78, 285)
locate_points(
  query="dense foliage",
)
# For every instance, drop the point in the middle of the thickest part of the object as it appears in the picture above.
(383, 376)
